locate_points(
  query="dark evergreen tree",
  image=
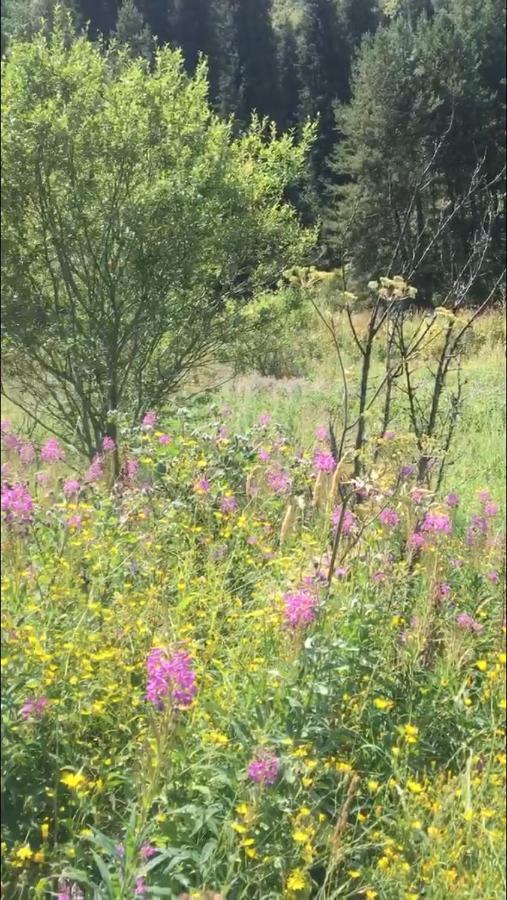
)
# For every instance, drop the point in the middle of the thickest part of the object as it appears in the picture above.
(256, 50)
(190, 28)
(131, 29)
(323, 64)
(421, 144)
(100, 14)
(288, 81)
(24, 18)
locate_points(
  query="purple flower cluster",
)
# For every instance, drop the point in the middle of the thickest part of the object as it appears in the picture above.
(437, 523)
(349, 520)
(228, 505)
(171, 678)
(299, 608)
(17, 504)
(71, 487)
(51, 451)
(452, 500)
(264, 768)
(96, 471)
(467, 623)
(324, 461)
(389, 517)
(279, 481)
(150, 419)
(26, 452)
(34, 709)
(108, 444)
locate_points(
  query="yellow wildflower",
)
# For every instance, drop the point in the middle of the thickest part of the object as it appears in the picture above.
(382, 703)
(296, 880)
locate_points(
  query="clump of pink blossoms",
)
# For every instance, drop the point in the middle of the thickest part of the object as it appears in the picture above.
(324, 461)
(389, 518)
(26, 453)
(34, 709)
(264, 768)
(299, 608)
(467, 623)
(17, 504)
(95, 471)
(437, 523)
(150, 419)
(348, 523)
(71, 486)
(170, 678)
(51, 451)
(108, 444)
(228, 505)
(279, 481)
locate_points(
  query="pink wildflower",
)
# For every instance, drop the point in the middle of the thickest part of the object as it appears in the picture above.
(321, 433)
(16, 503)
(264, 768)
(379, 577)
(140, 886)
(452, 500)
(323, 461)
(147, 851)
(416, 540)
(468, 623)
(108, 444)
(95, 471)
(228, 505)
(10, 440)
(349, 520)
(264, 419)
(71, 487)
(171, 678)
(51, 451)
(417, 495)
(438, 523)
(389, 435)
(202, 485)
(300, 608)
(264, 455)
(165, 439)
(493, 577)
(34, 708)
(389, 518)
(407, 471)
(26, 453)
(484, 496)
(149, 420)
(279, 481)
(490, 510)
(74, 521)
(5, 426)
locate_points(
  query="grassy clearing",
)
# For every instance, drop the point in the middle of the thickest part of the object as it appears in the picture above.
(372, 710)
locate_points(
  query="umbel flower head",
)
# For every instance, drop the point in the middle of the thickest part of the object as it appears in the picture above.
(170, 678)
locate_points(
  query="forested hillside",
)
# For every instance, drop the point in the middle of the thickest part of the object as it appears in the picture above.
(407, 170)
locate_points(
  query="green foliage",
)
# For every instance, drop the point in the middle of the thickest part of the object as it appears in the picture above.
(132, 30)
(135, 227)
(386, 716)
(421, 141)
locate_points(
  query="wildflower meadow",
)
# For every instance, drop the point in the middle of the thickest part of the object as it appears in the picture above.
(202, 699)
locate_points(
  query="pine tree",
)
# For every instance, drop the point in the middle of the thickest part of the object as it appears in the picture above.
(131, 29)
(100, 14)
(323, 64)
(190, 29)
(422, 127)
(288, 82)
